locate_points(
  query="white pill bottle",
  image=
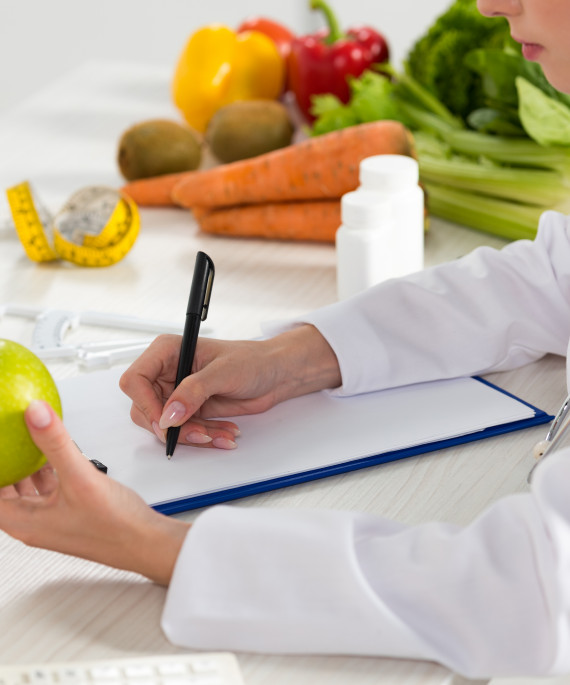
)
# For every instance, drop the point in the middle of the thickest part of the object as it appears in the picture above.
(382, 231)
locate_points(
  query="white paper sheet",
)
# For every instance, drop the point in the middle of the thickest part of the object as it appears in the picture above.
(300, 435)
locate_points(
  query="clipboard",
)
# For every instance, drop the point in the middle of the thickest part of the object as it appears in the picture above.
(299, 440)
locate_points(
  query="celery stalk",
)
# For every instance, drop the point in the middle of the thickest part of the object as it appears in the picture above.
(532, 186)
(410, 90)
(513, 151)
(509, 220)
(428, 122)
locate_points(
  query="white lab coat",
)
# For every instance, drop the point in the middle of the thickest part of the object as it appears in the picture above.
(492, 598)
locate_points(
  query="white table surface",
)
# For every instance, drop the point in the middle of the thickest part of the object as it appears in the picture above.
(59, 608)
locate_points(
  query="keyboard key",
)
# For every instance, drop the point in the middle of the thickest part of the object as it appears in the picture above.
(41, 676)
(140, 671)
(204, 665)
(71, 676)
(208, 679)
(12, 679)
(105, 673)
(172, 668)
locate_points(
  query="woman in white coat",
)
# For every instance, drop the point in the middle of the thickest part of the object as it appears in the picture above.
(489, 599)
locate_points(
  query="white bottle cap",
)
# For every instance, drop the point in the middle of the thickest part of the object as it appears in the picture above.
(364, 209)
(389, 172)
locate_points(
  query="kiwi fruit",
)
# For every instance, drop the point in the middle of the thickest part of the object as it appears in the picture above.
(248, 128)
(157, 147)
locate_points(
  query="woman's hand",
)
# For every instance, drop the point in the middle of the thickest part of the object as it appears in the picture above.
(71, 507)
(228, 379)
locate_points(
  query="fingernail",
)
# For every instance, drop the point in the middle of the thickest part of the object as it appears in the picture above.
(38, 414)
(172, 415)
(235, 431)
(159, 433)
(224, 443)
(198, 438)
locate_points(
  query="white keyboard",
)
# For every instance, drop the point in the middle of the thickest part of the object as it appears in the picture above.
(216, 668)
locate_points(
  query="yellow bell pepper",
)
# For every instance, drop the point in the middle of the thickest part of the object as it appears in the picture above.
(219, 66)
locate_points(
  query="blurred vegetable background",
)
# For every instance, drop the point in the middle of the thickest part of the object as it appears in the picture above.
(219, 66)
(322, 62)
(492, 137)
(247, 92)
(291, 193)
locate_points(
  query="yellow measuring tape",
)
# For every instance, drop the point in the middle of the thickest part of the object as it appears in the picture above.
(97, 226)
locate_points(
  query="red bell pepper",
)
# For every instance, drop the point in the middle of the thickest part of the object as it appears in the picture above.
(278, 33)
(321, 62)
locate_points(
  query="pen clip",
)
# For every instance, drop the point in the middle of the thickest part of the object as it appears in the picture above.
(208, 293)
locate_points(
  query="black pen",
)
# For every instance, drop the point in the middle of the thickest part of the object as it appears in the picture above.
(196, 311)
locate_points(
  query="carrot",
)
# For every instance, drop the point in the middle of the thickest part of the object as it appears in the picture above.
(155, 191)
(312, 220)
(316, 168)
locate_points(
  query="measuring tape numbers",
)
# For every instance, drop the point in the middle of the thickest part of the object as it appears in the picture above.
(97, 226)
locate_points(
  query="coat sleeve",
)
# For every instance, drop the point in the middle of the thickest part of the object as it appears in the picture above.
(489, 599)
(491, 310)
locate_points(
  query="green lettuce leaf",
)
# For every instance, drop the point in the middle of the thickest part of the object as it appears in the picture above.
(546, 120)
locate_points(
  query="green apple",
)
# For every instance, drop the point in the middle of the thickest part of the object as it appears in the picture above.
(23, 378)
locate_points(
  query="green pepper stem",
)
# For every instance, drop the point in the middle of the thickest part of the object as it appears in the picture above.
(334, 30)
